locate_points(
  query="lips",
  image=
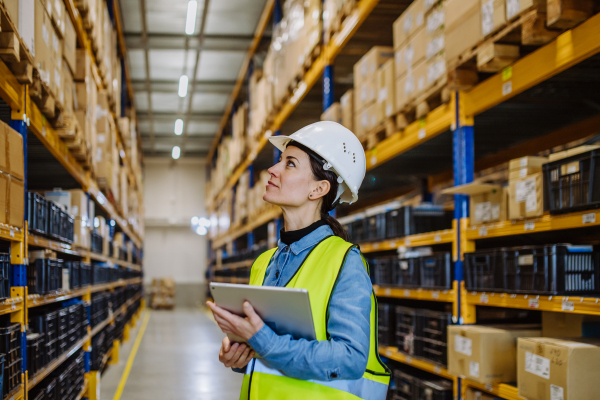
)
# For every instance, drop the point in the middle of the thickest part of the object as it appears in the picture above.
(271, 184)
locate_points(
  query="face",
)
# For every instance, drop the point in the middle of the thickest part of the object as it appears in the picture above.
(292, 180)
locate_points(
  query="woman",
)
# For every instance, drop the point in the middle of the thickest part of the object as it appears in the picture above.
(321, 165)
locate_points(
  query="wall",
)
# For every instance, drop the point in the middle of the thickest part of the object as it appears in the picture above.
(174, 193)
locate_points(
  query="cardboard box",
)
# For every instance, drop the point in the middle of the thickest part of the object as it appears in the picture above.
(78, 206)
(4, 132)
(81, 235)
(4, 198)
(368, 65)
(57, 12)
(365, 120)
(551, 369)
(487, 206)
(485, 354)
(526, 197)
(82, 95)
(69, 51)
(411, 84)
(83, 65)
(493, 16)
(436, 19)
(530, 162)
(16, 202)
(436, 72)
(366, 92)
(411, 53)
(516, 7)
(474, 394)
(14, 152)
(42, 41)
(523, 172)
(68, 91)
(408, 23)
(386, 98)
(333, 113)
(347, 103)
(463, 26)
(568, 325)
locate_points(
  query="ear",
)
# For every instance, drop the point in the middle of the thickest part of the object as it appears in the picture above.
(320, 189)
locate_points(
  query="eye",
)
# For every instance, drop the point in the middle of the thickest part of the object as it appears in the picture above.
(291, 163)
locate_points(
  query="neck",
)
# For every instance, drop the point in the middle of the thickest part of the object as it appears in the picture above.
(298, 218)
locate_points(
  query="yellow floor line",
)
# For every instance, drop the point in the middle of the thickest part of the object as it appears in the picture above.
(136, 345)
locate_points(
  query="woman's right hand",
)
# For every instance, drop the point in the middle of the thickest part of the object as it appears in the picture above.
(236, 355)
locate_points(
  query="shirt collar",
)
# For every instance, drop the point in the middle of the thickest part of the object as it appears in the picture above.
(307, 241)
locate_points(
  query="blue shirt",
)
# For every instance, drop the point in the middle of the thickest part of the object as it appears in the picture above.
(345, 354)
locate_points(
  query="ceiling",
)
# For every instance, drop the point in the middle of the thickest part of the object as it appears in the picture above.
(160, 52)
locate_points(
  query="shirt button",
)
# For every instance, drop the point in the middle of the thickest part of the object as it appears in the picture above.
(333, 375)
(276, 274)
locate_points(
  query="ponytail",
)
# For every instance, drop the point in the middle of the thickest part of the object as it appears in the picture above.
(329, 200)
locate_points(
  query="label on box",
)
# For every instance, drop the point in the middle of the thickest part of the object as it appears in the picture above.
(408, 23)
(363, 94)
(512, 8)
(557, 393)
(382, 95)
(101, 138)
(398, 61)
(483, 211)
(435, 19)
(570, 168)
(534, 303)
(435, 46)
(422, 133)
(568, 306)
(589, 218)
(474, 369)
(487, 17)
(409, 55)
(526, 259)
(421, 83)
(409, 85)
(364, 120)
(436, 70)
(463, 345)
(537, 365)
(526, 192)
(419, 20)
(529, 226)
(45, 35)
(388, 110)
(522, 172)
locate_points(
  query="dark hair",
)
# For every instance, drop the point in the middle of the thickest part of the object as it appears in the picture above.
(327, 204)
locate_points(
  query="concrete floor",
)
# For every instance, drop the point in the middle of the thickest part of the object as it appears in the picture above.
(177, 359)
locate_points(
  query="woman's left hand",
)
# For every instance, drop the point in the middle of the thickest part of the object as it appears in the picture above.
(232, 324)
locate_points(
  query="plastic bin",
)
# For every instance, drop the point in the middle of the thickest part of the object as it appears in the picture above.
(573, 183)
(74, 274)
(5, 273)
(406, 272)
(406, 326)
(66, 227)
(37, 207)
(412, 220)
(98, 350)
(434, 390)
(37, 276)
(85, 274)
(382, 271)
(405, 385)
(436, 271)
(54, 220)
(484, 271)
(97, 243)
(375, 227)
(10, 345)
(433, 325)
(386, 331)
(35, 352)
(432, 350)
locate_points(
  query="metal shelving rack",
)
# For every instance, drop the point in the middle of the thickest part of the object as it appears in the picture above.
(458, 119)
(26, 118)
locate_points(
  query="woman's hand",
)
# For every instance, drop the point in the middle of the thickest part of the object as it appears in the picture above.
(237, 355)
(232, 324)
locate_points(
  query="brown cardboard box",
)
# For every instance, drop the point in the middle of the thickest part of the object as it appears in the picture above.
(81, 235)
(57, 11)
(386, 98)
(516, 7)
(4, 187)
(436, 72)
(549, 369)
(365, 120)
(366, 92)
(408, 23)
(565, 325)
(4, 131)
(42, 44)
(530, 161)
(333, 113)
(493, 15)
(82, 95)
(67, 79)
(347, 103)
(411, 84)
(83, 66)
(485, 354)
(523, 172)
(16, 202)
(79, 204)
(368, 65)
(463, 26)
(474, 394)
(14, 146)
(436, 19)
(12, 7)
(70, 45)
(487, 207)
(526, 197)
(411, 53)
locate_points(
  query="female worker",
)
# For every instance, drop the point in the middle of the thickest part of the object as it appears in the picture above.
(321, 165)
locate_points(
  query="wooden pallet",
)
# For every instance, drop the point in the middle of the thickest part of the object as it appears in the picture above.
(49, 105)
(312, 57)
(437, 94)
(384, 130)
(13, 50)
(337, 22)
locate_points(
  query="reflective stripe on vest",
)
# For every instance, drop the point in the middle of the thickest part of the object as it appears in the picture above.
(325, 262)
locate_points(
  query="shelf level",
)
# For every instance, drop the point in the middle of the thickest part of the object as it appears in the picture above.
(507, 392)
(254, 223)
(546, 223)
(84, 391)
(40, 241)
(393, 354)
(569, 304)
(447, 295)
(424, 239)
(16, 394)
(11, 305)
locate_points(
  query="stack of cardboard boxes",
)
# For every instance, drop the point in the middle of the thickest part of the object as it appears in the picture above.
(163, 293)
(526, 187)
(333, 113)
(347, 105)
(366, 114)
(12, 188)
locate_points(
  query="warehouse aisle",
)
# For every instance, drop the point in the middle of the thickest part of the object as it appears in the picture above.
(177, 359)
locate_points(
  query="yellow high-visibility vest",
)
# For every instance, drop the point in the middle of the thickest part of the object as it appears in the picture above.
(318, 274)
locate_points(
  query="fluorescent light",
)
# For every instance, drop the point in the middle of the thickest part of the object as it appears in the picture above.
(176, 152)
(201, 230)
(112, 222)
(179, 127)
(183, 84)
(195, 220)
(190, 22)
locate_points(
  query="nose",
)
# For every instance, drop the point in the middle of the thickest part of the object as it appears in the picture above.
(274, 170)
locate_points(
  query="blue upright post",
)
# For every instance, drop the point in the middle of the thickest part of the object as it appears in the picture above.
(463, 163)
(277, 12)
(327, 87)
(276, 151)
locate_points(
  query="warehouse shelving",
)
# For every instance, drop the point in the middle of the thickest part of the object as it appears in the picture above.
(448, 296)
(422, 239)
(11, 305)
(393, 354)
(506, 391)
(16, 394)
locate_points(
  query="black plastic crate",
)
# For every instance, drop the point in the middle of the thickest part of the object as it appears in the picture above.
(63, 322)
(98, 350)
(434, 390)
(432, 350)
(382, 271)
(406, 272)
(85, 274)
(51, 350)
(67, 226)
(37, 276)
(375, 227)
(5, 273)
(99, 273)
(406, 326)
(35, 352)
(37, 207)
(54, 220)
(484, 271)
(405, 385)
(74, 274)
(62, 344)
(63, 382)
(386, 324)
(10, 345)
(436, 271)
(433, 325)
(45, 323)
(572, 183)
(54, 275)
(412, 220)
(96, 243)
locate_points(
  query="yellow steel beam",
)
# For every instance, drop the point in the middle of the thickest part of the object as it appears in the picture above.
(11, 91)
(507, 392)
(393, 354)
(568, 49)
(447, 295)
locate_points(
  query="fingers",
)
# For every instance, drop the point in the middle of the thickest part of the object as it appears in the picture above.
(226, 344)
(242, 359)
(234, 354)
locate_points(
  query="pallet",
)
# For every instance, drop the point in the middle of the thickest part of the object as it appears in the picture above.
(312, 57)
(13, 50)
(436, 95)
(337, 22)
(49, 105)
(382, 131)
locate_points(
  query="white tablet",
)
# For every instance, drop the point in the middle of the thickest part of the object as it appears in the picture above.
(285, 310)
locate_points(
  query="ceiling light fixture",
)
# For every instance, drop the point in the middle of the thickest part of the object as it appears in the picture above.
(183, 85)
(176, 152)
(178, 127)
(190, 22)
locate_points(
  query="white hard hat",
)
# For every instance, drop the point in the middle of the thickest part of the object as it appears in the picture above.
(339, 147)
